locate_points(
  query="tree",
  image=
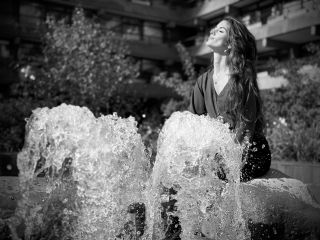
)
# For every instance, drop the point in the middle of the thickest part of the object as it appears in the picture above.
(183, 87)
(84, 64)
(293, 112)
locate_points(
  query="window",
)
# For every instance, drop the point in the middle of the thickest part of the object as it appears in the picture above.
(113, 23)
(59, 12)
(131, 29)
(4, 49)
(148, 65)
(30, 14)
(152, 32)
(30, 51)
(142, 2)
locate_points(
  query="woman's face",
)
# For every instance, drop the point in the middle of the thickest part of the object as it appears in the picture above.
(217, 40)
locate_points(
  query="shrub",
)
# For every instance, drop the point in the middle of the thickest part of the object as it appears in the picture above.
(83, 63)
(183, 87)
(293, 112)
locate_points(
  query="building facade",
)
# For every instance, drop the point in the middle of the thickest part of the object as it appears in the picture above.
(153, 27)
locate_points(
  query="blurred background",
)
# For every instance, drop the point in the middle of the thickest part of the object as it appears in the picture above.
(141, 58)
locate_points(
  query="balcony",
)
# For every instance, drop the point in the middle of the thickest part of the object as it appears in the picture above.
(152, 50)
(210, 9)
(155, 11)
(140, 45)
(296, 23)
(9, 26)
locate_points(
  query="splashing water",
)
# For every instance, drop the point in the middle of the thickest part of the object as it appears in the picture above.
(94, 169)
(187, 165)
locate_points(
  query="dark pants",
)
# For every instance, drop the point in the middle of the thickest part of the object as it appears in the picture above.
(257, 160)
(257, 164)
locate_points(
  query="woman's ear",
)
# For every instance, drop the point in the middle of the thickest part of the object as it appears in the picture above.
(227, 51)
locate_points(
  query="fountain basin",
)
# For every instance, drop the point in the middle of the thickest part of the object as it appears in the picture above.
(272, 210)
(96, 169)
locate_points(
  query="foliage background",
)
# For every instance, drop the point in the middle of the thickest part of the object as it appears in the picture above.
(293, 112)
(78, 68)
(83, 63)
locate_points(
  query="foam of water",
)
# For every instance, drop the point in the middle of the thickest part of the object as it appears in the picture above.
(95, 168)
(186, 162)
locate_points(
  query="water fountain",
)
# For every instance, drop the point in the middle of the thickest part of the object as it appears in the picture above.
(83, 177)
(186, 162)
(93, 168)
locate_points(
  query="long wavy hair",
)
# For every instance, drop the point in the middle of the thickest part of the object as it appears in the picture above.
(241, 61)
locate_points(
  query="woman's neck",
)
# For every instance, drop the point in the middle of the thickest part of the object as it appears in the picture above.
(220, 64)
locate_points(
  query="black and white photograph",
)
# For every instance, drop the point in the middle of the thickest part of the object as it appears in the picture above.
(160, 120)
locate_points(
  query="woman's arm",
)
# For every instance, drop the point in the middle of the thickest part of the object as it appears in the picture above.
(197, 105)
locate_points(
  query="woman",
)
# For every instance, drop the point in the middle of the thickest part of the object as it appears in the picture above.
(229, 90)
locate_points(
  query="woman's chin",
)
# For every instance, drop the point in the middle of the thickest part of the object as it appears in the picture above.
(215, 49)
(210, 45)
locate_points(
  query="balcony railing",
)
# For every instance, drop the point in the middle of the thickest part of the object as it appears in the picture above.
(280, 11)
(152, 39)
(143, 38)
(30, 27)
(260, 17)
(9, 25)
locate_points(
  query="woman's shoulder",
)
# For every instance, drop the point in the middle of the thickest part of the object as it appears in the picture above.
(203, 78)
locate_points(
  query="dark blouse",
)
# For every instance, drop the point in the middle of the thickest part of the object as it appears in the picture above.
(205, 100)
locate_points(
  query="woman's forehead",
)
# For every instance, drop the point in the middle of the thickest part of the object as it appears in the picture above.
(223, 24)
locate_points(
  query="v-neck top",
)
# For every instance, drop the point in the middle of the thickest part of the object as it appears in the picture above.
(205, 100)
